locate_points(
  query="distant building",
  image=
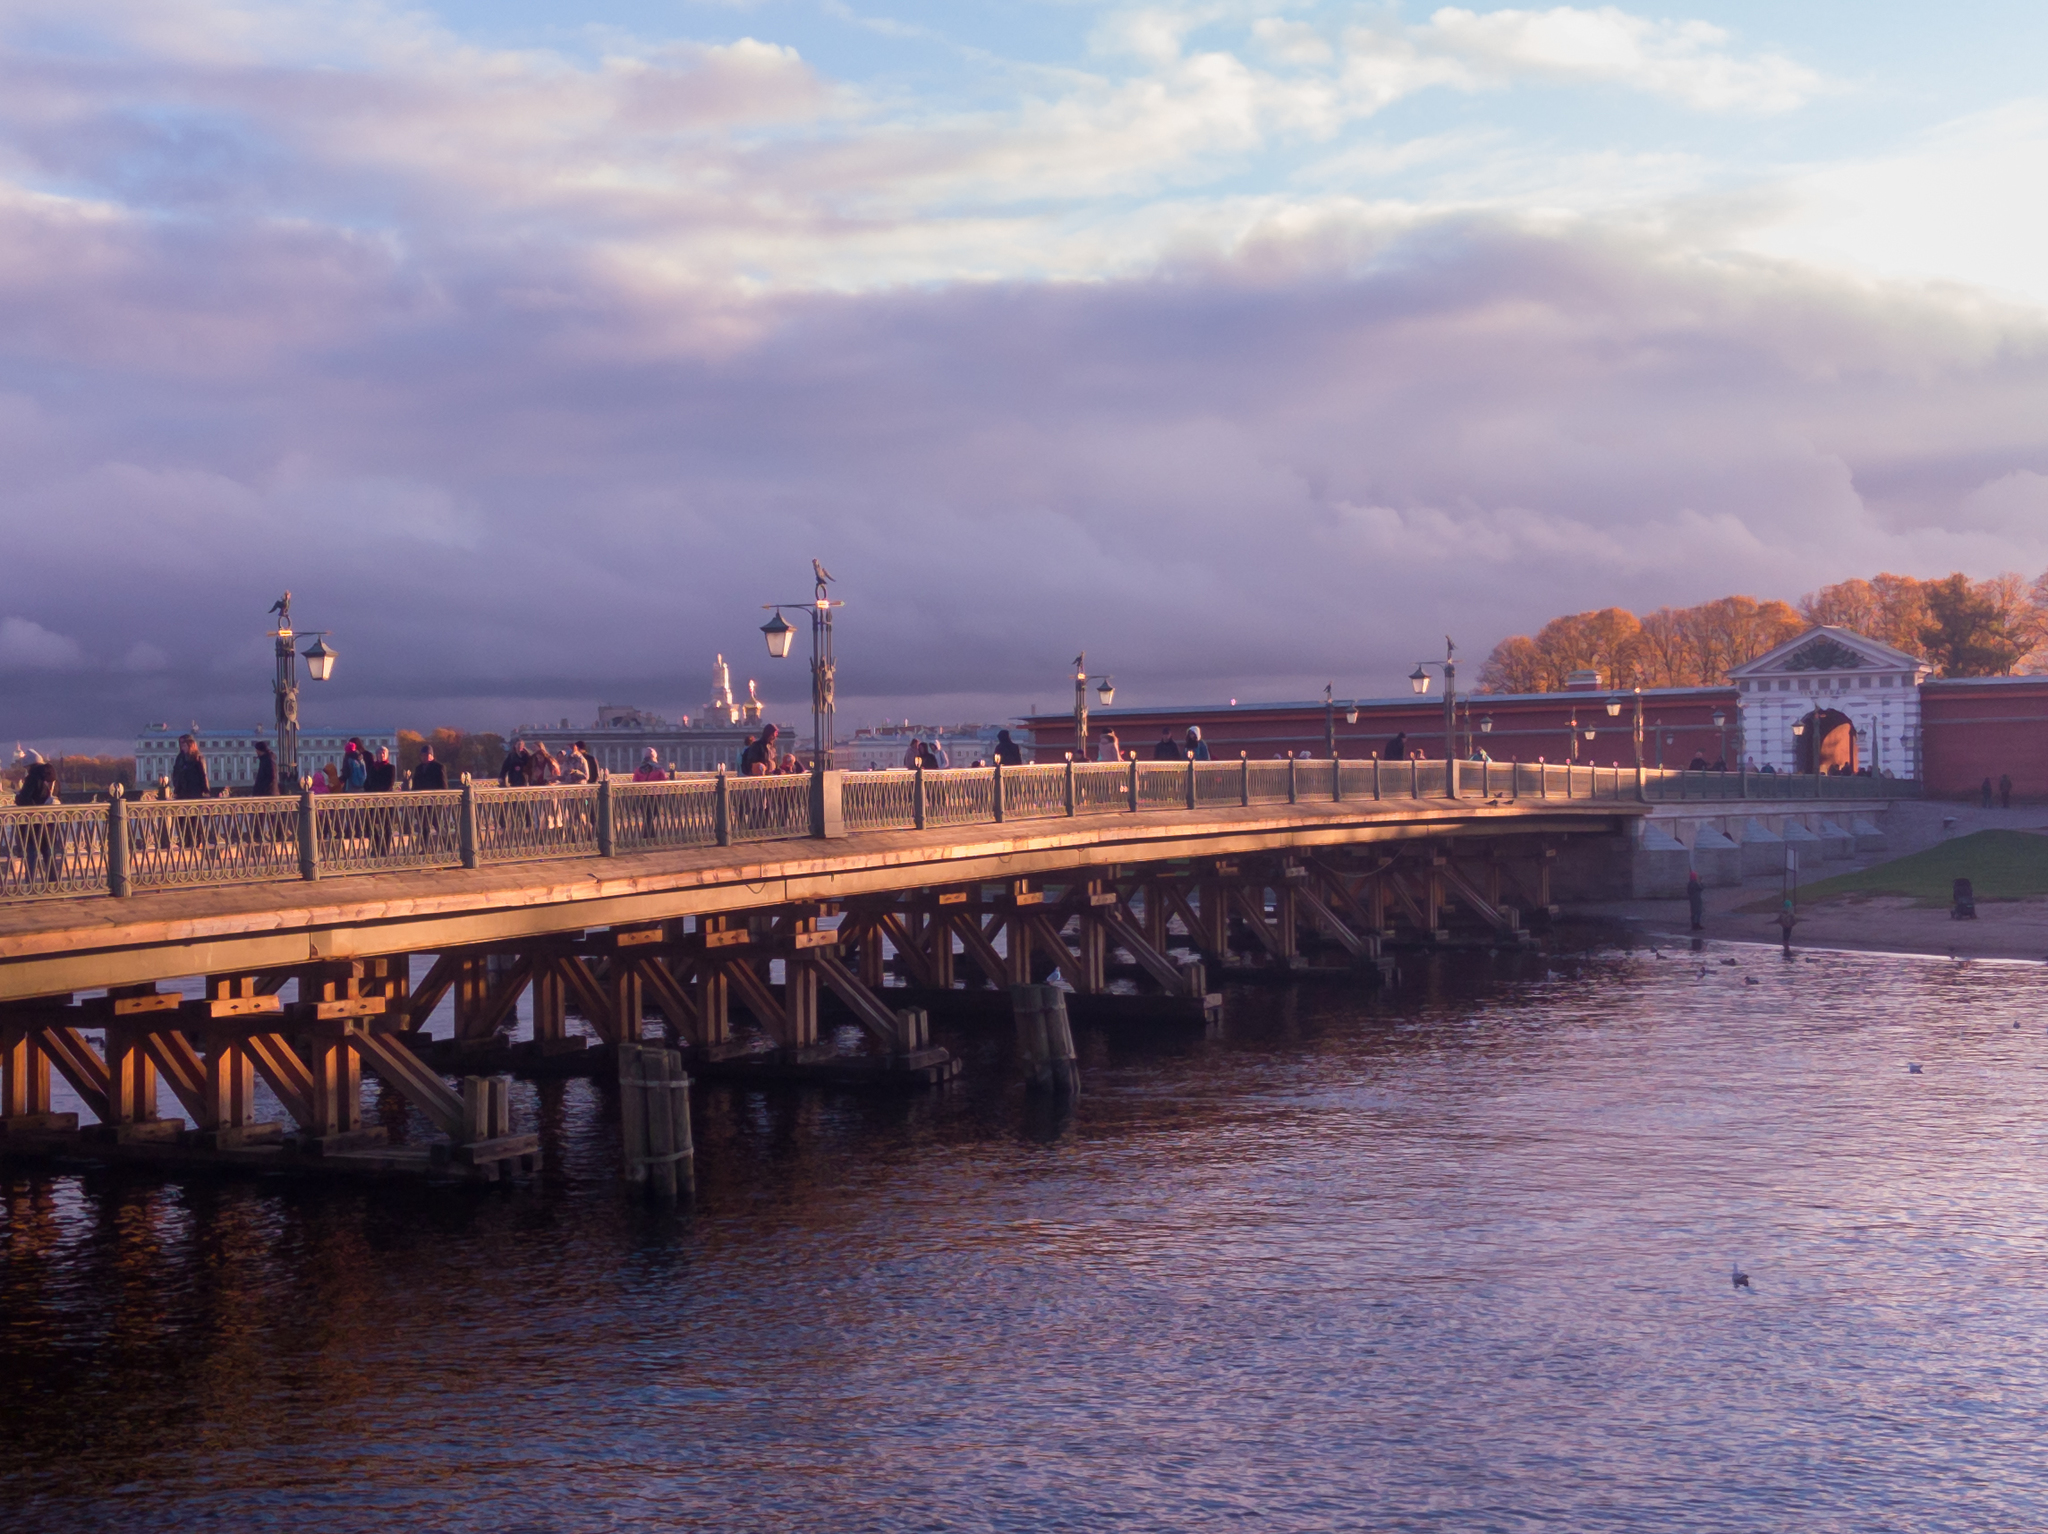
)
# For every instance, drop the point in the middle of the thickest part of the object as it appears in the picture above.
(884, 745)
(619, 738)
(1865, 694)
(231, 754)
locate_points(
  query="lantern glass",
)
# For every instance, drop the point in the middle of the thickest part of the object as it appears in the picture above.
(1614, 706)
(1799, 727)
(1720, 718)
(779, 634)
(1419, 680)
(1106, 692)
(319, 660)
(1351, 714)
(1486, 724)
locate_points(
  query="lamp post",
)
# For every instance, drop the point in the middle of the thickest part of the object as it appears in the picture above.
(1107, 692)
(1419, 680)
(320, 657)
(1721, 725)
(1614, 712)
(824, 668)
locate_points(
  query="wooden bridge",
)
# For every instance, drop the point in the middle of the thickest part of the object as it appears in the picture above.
(328, 929)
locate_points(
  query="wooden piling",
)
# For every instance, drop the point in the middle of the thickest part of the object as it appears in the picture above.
(654, 1118)
(1045, 1042)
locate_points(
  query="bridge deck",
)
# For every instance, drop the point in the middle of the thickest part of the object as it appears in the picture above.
(52, 947)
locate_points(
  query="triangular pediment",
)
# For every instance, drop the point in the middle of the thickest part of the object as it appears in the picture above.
(1828, 649)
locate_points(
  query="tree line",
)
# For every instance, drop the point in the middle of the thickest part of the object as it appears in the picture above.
(1962, 627)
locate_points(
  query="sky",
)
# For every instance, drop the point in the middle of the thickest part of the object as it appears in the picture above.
(1247, 347)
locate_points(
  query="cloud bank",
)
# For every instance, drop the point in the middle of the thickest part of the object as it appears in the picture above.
(533, 377)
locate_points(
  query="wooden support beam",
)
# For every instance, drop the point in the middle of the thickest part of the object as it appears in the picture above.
(1328, 920)
(672, 1000)
(182, 1070)
(865, 1005)
(81, 1067)
(1153, 961)
(24, 1074)
(1470, 894)
(426, 996)
(131, 1078)
(910, 947)
(1249, 907)
(1072, 965)
(288, 1076)
(753, 994)
(403, 1071)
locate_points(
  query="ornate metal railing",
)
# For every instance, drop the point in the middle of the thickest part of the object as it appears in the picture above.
(880, 801)
(211, 841)
(1101, 787)
(647, 817)
(73, 850)
(514, 825)
(768, 809)
(368, 833)
(962, 796)
(1033, 793)
(53, 850)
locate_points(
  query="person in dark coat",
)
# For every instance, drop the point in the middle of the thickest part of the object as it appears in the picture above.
(38, 786)
(513, 773)
(188, 771)
(1696, 899)
(430, 773)
(381, 776)
(265, 784)
(1197, 748)
(1168, 749)
(1008, 752)
(355, 769)
(761, 758)
(1397, 748)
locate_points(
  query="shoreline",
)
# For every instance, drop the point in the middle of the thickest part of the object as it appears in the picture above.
(2004, 929)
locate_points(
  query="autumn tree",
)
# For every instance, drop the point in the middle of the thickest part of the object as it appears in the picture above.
(1978, 628)
(1891, 609)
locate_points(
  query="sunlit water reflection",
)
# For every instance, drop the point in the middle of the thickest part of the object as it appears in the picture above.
(1453, 1259)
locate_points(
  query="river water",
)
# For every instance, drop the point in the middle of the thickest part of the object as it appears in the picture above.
(1456, 1257)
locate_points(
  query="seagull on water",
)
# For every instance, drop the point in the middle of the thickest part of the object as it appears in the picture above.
(1912, 1067)
(1751, 980)
(1741, 1278)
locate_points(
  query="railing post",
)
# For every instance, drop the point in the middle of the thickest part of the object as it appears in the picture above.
(469, 840)
(118, 883)
(309, 834)
(1450, 775)
(604, 816)
(1742, 774)
(1336, 780)
(721, 808)
(1191, 782)
(917, 798)
(828, 804)
(1244, 779)
(1070, 786)
(1293, 775)
(1133, 789)
(996, 787)
(1376, 775)
(1414, 778)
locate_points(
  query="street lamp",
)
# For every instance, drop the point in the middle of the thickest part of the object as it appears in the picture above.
(320, 657)
(1106, 692)
(1419, 680)
(1721, 725)
(824, 668)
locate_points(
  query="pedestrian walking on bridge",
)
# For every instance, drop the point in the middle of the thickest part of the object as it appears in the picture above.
(430, 774)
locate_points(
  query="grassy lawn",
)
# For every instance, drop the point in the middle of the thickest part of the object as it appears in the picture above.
(2000, 865)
